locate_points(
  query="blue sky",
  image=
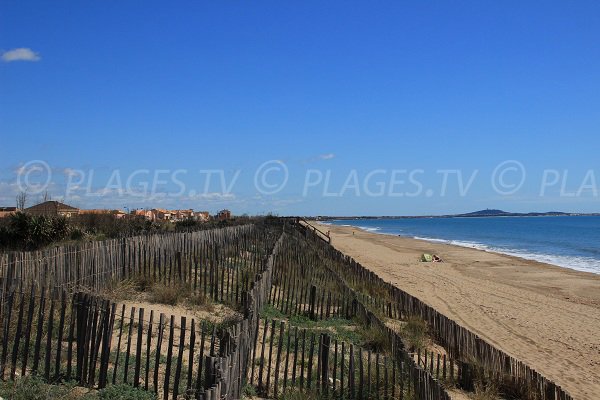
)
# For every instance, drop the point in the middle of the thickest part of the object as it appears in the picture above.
(347, 89)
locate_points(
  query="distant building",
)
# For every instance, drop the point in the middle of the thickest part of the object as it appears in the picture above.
(52, 209)
(223, 215)
(159, 214)
(6, 211)
(148, 214)
(162, 215)
(119, 213)
(116, 213)
(182, 215)
(202, 216)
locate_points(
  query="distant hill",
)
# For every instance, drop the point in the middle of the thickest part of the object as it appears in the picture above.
(475, 214)
(484, 213)
(500, 213)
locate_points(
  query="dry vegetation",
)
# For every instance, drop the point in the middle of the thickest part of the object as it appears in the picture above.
(177, 299)
(414, 332)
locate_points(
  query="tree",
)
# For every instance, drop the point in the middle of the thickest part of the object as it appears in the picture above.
(21, 200)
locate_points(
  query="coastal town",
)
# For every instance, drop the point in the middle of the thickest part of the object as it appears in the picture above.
(52, 208)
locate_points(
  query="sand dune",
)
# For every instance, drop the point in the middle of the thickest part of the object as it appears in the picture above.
(546, 316)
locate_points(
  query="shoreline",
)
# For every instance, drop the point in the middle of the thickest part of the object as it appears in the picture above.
(548, 316)
(547, 259)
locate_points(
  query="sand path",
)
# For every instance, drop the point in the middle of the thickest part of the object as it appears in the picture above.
(546, 316)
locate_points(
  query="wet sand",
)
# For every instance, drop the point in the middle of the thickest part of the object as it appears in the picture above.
(546, 316)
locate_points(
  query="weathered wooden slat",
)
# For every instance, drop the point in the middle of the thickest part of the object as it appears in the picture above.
(17, 339)
(115, 368)
(38, 336)
(166, 388)
(148, 349)
(138, 349)
(278, 359)
(59, 341)
(271, 341)
(128, 348)
(190, 367)
(161, 328)
(179, 358)
(28, 329)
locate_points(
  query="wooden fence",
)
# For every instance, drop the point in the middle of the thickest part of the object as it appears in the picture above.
(287, 357)
(97, 342)
(219, 263)
(92, 264)
(458, 341)
(90, 339)
(316, 231)
(305, 283)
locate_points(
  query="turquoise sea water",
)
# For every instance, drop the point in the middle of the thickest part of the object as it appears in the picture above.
(571, 242)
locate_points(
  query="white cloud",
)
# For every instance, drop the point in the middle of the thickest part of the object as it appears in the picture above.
(210, 196)
(70, 172)
(320, 157)
(20, 54)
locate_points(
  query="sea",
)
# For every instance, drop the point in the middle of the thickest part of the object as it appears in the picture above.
(567, 241)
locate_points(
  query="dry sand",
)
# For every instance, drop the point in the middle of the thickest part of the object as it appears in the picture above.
(546, 316)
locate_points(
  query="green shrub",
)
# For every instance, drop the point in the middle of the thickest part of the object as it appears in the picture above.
(415, 333)
(29, 232)
(374, 339)
(31, 388)
(485, 390)
(249, 391)
(124, 392)
(199, 299)
(296, 394)
(143, 283)
(60, 228)
(165, 294)
(77, 234)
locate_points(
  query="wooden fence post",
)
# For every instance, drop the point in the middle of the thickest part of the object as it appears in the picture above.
(324, 356)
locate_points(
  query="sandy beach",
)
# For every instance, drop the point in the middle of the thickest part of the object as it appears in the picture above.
(546, 316)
